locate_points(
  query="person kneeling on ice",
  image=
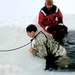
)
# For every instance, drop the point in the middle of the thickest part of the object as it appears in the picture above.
(50, 18)
(46, 47)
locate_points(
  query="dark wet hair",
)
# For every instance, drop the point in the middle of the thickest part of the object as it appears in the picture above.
(31, 27)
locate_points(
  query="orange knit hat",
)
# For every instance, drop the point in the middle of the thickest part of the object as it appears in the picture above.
(49, 2)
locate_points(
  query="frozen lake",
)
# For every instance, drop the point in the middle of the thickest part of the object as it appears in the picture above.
(21, 61)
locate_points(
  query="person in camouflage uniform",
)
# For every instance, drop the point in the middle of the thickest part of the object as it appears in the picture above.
(44, 41)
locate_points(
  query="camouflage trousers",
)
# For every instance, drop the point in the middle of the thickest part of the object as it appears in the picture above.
(63, 62)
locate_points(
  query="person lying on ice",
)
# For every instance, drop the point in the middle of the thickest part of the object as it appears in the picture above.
(46, 47)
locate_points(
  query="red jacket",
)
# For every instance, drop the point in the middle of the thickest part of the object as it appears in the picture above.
(50, 17)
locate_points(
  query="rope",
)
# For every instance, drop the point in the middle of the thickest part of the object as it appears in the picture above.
(16, 48)
(20, 46)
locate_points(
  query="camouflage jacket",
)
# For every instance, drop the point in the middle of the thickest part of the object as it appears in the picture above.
(42, 39)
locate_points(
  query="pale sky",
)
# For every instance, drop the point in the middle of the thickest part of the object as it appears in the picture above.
(32, 7)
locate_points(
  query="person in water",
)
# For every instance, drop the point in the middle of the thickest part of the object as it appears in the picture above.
(46, 47)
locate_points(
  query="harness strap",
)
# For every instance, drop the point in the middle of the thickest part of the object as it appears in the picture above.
(45, 43)
(47, 48)
(35, 37)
